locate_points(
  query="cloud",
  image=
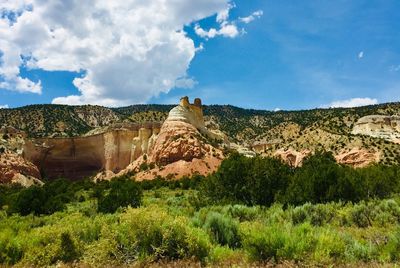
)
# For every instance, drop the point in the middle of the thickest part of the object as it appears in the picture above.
(255, 15)
(226, 28)
(355, 102)
(128, 50)
(5, 106)
(361, 55)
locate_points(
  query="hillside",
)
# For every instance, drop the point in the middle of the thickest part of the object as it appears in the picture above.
(328, 129)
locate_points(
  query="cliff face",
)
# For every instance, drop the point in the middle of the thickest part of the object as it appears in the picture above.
(379, 126)
(80, 157)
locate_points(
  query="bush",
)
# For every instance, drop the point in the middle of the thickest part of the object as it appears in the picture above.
(30, 200)
(150, 234)
(123, 192)
(10, 248)
(361, 215)
(224, 230)
(277, 242)
(330, 247)
(263, 181)
(317, 215)
(249, 181)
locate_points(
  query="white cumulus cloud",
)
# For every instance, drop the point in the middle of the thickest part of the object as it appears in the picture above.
(5, 106)
(255, 15)
(354, 102)
(127, 50)
(226, 28)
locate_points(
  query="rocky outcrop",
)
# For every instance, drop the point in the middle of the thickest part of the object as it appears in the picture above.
(292, 157)
(181, 148)
(15, 169)
(379, 126)
(355, 157)
(358, 157)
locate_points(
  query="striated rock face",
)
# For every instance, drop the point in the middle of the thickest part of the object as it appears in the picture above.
(292, 157)
(379, 126)
(15, 169)
(358, 157)
(75, 158)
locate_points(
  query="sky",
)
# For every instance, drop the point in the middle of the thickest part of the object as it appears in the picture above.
(257, 54)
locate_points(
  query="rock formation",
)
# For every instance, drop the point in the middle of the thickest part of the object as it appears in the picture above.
(111, 149)
(292, 157)
(15, 169)
(181, 148)
(357, 157)
(379, 126)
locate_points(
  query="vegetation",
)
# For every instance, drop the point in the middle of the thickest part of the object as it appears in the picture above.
(327, 129)
(250, 212)
(263, 181)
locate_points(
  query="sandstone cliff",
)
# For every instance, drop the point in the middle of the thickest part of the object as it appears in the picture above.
(111, 149)
(379, 126)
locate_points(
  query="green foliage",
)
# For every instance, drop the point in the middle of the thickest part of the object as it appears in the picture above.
(262, 181)
(30, 200)
(68, 250)
(224, 230)
(277, 242)
(123, 192)
(47, 199)
(151, 234)
(248, 180)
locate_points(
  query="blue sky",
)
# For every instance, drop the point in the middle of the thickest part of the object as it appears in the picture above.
(297, 55)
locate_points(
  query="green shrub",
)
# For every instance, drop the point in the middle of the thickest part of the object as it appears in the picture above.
(277, 242)
(150, 234)
(392, 248)
(30, 200)
(123, 192)
(10, 247)
(361, 215)
(263, 243)
(317, 215)
(68, 250)
(330, 247)
(243, 213)
(224, 230)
